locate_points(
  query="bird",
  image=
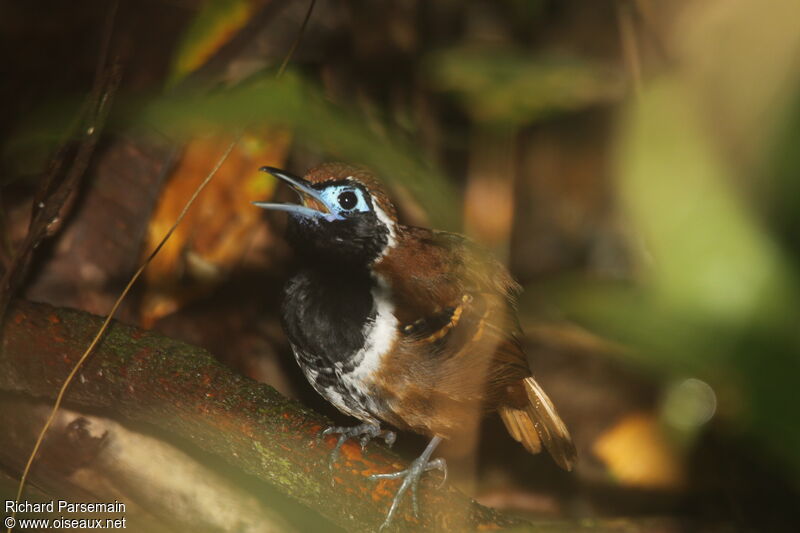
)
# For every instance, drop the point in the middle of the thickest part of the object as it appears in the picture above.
(405, 326)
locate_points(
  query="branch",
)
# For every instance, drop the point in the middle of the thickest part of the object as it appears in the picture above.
(184, 391)
(89, 458)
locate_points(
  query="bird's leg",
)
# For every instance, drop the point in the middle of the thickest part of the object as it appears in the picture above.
(364, 433)
(411, 477)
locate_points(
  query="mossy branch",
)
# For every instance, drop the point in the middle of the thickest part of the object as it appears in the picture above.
(181, 389)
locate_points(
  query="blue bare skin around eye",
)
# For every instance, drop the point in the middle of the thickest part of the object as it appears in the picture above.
(331, 197)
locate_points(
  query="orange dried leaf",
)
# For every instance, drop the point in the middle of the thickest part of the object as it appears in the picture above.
(218, 230)
(637, 453)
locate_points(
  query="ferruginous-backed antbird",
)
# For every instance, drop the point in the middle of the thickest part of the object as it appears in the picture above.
(412, 327)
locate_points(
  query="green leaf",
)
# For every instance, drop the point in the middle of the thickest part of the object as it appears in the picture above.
(708, 254)
(214, 25)
(717, 298)
(293, 103)
(514, 87)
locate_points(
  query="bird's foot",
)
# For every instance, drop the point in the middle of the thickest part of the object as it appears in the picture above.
(364, 433)
(411, 477)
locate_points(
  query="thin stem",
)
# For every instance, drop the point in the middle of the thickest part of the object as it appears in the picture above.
(106, 322)
(297, 39)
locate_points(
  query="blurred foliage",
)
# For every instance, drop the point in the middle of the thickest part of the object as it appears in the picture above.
(213, 26)
(708, 255)
(512, 86)
(640, 435)
(207, 257)
(290, 102)
(298, 105)
(783, 189)
(719, 297)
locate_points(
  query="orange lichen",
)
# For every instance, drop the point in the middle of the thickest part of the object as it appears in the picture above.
(381, 491)
(352, 451)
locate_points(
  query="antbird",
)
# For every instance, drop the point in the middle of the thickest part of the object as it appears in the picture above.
(405, 325)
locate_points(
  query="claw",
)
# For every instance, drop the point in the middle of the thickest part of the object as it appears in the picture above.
(411, 477)
(438, 464)
(335, 454)
(364, 432)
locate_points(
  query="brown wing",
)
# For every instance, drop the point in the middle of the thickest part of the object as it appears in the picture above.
(459, 346)
(455, 306)
(431, 271)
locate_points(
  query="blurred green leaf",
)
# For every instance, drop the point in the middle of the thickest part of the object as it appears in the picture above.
(289, 102)
(214, 25)
(783, 190)
(28, 152)
(511, 86)
(293, 103)
(718, 298)
(709, 256)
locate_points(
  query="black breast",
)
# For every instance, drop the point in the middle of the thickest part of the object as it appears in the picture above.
(324, 312)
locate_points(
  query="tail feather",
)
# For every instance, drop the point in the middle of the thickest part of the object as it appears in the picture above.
(549, 426)
(539, 424)
(521, 428)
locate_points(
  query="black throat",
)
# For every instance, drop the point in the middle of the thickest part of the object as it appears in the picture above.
(350, 243)
(324, 314)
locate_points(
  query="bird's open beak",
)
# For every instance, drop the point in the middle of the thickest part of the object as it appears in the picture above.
(304, 190)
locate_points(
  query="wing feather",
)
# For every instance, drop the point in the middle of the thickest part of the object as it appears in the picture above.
(456, 306)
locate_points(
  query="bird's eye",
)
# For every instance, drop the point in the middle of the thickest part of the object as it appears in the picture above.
(347, 200)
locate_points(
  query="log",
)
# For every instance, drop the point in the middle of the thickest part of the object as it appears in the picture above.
(89, 458)
(182, 390)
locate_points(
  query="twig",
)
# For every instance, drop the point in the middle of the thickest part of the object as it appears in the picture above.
(104, 326)
(50, 198)
(297, 39)
(83, 157)
(629, 44)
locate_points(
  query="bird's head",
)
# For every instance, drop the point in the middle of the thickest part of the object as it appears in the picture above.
(344, 215)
